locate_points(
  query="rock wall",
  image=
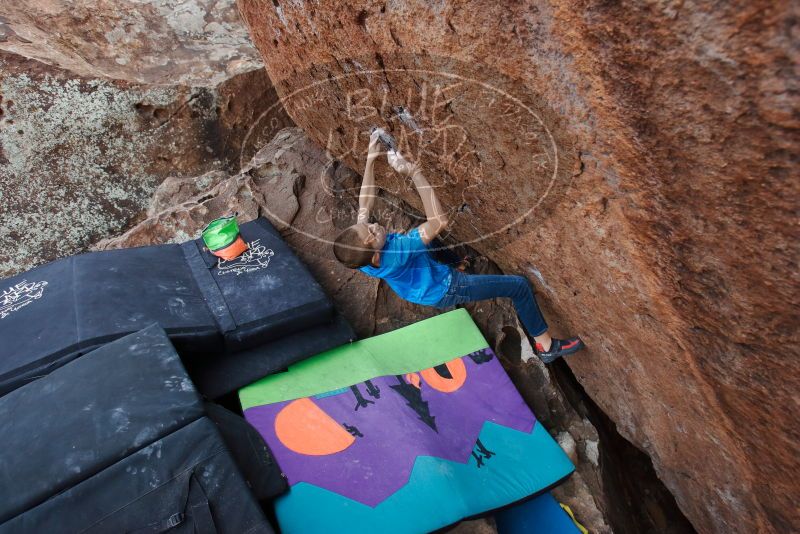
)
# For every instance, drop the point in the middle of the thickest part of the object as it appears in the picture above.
(173, 42)
(81, 157)
(101, 101)
(637, 162)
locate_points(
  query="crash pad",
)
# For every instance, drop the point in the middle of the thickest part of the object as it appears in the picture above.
(215, 376)
(268, 291)
(250, 451)
(409, 431)
(185, 482)
(59, 311)
(540, 515)
(118, 441)
(91, 413)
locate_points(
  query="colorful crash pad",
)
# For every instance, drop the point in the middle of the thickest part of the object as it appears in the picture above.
(409, 431)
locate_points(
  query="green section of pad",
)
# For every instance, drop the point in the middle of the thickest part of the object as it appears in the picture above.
(419, 346)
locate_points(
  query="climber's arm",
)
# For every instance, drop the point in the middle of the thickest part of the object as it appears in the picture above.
(437, 219)
(366, 197)
(434, 213)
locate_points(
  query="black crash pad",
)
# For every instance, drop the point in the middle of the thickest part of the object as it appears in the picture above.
(118, 441)
(250, 451)
(185, 483)
(58, 311)
(89, 414)
(268, 291)
(215, 376)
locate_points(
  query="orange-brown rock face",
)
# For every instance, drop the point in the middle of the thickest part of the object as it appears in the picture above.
(637, 162)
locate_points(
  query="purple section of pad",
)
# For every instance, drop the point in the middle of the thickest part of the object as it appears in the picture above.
(395, 427)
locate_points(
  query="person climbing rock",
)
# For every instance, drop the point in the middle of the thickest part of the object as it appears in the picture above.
(404, 262)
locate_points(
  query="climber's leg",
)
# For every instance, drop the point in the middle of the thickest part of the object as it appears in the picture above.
(469, 288)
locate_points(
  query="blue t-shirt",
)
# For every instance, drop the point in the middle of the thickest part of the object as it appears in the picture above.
(409, 269)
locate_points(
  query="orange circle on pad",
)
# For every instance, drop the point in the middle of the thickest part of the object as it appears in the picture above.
(304, 428)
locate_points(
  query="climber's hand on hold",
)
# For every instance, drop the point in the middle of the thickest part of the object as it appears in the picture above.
(401, 164)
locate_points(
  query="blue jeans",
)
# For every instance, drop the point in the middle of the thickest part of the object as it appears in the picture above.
(471, 287)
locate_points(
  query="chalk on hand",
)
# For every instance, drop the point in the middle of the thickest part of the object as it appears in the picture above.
(385, 138)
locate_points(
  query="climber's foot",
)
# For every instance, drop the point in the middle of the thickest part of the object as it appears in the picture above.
(559, 348)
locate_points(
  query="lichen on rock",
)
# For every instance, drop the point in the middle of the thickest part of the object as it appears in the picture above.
(81, 157)
(101, 101)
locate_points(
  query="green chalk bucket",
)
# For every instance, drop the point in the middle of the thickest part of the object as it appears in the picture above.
(220, 233)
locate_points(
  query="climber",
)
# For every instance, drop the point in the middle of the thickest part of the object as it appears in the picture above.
(404, 262)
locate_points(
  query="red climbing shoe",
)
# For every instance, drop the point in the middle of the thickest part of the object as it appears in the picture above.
(559, 348)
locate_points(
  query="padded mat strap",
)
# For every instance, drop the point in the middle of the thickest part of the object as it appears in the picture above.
(209, 288)
(203, 522)
(201, 511)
